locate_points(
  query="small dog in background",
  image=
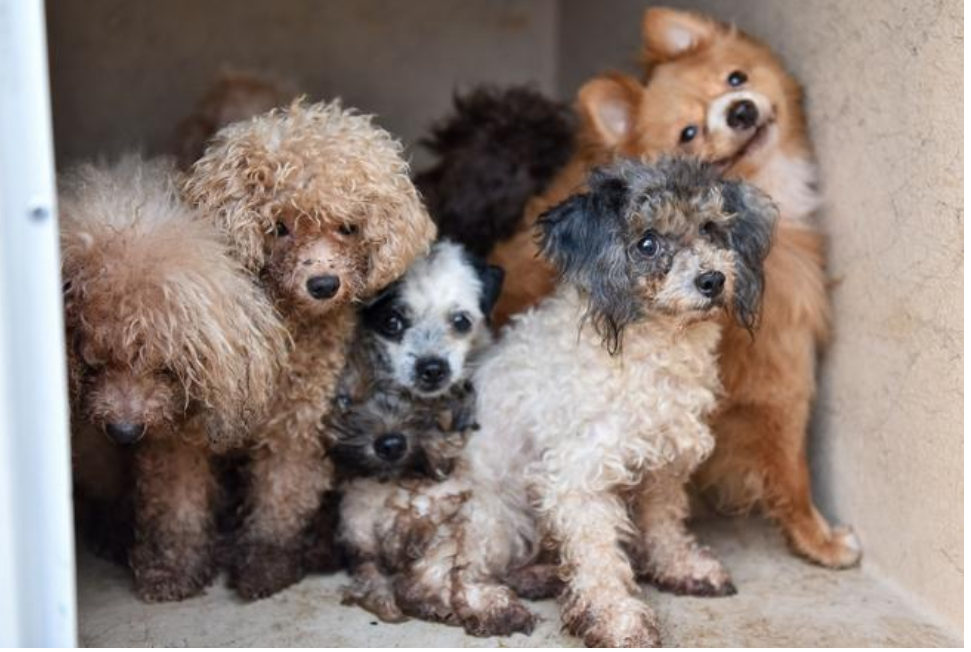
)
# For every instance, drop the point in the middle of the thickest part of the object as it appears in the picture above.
(232, 97)
(594, 405)
(404, 414)
(318, 205)
(499, 148)
(173, 354)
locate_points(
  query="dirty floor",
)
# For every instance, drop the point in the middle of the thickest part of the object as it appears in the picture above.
(781, 602)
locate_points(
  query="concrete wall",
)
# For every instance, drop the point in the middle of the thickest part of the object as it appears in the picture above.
(884, 83)
(124, 73)
(884, 87)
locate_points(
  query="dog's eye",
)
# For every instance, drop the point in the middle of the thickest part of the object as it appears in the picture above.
(348, 229)
(688, 133)
(649, 245)
(282, 230)
(737, 78)
(709, 229)
(392, 326)
(461, 322)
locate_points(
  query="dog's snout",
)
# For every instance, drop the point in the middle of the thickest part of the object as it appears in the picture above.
(323, 287)
(391, 447)
(431, 372)
(710, 284)
(742, 115)
(125, 433)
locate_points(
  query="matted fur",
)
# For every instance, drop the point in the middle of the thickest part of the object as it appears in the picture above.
(590, 426)
(167, 334)
(306, 192)
(770, 381)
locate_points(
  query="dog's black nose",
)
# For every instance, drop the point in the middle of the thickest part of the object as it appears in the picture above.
(710, 284)
(391, 447)
(431, 372)
(125, 433)
(742, 115)
(323, 287)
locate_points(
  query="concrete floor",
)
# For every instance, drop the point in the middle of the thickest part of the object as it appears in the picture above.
(782, 602)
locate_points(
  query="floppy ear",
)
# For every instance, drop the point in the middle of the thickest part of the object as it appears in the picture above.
(669, 33)
(583, 237)
(608, 107)
(750, 237)
(492, 277)
(397, 233)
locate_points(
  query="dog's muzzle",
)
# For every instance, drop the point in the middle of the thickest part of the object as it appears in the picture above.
(125, 434)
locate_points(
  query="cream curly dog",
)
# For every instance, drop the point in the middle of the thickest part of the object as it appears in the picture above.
(594, 405)
(318, 204)
(172, 346)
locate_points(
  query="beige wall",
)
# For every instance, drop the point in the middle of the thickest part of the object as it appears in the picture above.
(884, 82)
(124, 73)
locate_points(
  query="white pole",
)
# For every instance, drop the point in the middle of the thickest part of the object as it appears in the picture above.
(37, 594)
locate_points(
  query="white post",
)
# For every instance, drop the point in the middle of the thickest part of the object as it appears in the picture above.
(37, 595)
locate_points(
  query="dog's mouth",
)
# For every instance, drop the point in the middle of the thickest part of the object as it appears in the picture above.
(752, 144)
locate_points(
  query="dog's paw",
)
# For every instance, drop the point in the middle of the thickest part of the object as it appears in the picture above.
(167, 576)
(260, 570)
(697, 573)
(503, 617)
(841, 550)
(625, 623)
(536, 582)
(380, 603)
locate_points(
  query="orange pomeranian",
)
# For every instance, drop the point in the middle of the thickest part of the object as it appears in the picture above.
(713, 92)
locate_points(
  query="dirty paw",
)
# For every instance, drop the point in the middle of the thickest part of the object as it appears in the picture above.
(260, 570)
(159, 579)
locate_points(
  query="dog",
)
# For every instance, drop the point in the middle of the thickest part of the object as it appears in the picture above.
(173, 355)
(319, 207)
(404, 415)
(498, 148)
(712, 91)
(232, 97)
(593, 407)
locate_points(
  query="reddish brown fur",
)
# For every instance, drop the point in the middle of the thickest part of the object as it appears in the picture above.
(770, 382)
(305, 191)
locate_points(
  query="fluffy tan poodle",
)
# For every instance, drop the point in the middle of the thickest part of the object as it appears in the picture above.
(173, 351)
(318, 203)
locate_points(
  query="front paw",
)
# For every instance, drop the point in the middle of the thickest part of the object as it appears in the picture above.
(261, 569)
(492, 610)
(698, 574)
(626, 622)
(170, 575)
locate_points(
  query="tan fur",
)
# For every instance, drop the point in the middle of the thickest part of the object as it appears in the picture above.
(313, 189)
(165, 331)
(770, 382)
(232, 97)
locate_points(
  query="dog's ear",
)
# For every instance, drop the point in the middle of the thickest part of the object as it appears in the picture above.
(583, 238)
(397, 232)
(669, 33)
(491, 277)
(750, 237)
(608, 108)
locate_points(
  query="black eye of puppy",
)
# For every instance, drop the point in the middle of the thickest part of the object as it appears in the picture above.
(708, 229)
(393, 325)
(688, 133)
(348, 229)
(461, 322)
(649, 245)
(282, 230)
(737, 78)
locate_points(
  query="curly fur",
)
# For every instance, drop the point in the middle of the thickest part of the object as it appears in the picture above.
(587, 445)
(233, 96)
(312, 192)
(498, 148)
(169, 338)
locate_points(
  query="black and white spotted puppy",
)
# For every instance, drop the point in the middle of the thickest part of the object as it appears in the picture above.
(405, 409)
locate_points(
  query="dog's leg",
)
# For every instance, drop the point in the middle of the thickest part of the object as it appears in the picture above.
(288, 476)
(599, 602)
(768, 442)
(536, 581)
(175, 490)
(372, 590)
(669, 555)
